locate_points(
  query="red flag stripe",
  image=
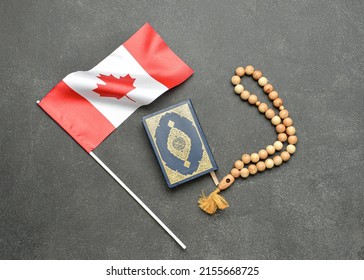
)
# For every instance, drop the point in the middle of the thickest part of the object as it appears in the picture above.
(154, 55)
(77, 116)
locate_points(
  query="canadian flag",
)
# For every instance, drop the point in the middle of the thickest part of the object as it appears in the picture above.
(89, 105)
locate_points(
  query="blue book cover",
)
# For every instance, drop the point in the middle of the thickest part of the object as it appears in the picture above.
(179, 143)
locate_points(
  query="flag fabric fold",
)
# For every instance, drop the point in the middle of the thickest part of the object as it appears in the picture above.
(89, 105)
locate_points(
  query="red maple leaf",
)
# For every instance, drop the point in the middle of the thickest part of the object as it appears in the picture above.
(115, 87)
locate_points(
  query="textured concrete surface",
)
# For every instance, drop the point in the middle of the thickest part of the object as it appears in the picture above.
(57, 203)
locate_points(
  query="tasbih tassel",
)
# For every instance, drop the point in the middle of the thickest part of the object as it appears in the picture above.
(210, 203)
(215, 201)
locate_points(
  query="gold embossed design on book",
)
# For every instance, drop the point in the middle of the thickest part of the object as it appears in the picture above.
(179, 144)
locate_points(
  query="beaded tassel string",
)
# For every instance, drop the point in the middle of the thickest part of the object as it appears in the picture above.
(250, 164)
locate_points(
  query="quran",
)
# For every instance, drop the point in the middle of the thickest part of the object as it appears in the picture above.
(179, 143)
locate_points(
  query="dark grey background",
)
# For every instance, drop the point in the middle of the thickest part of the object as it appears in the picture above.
(57, 203)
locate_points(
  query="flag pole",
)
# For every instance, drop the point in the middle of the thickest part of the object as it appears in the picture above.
(141, 203)
(133, 195)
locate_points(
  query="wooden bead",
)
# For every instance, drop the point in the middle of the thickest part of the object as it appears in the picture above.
(244, 172)
(263, 107)
(277, 102)
(235, 80)
(240, 71)
(245, 158)
(252, 169)
(263, 81)
(291, 149)
(269, 163)
(290, 130)
(245, 95)
(249, 70)
(280, 128)
(282, 137)
(283, 114)
(254, 157)
(278, 145)
(235, 172)
(270, 149)
(257, 74)
(292, 139)
(239, 89)
(269, 114)
(257, 103)
(226, 182)
(239, 164)
(263, 154)
(277, 160)
(285, 156)
(268, 88)
(273, 95)
(252, 99)
(281, 108)
(288, 122)
(261, 166)
(276, 120)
